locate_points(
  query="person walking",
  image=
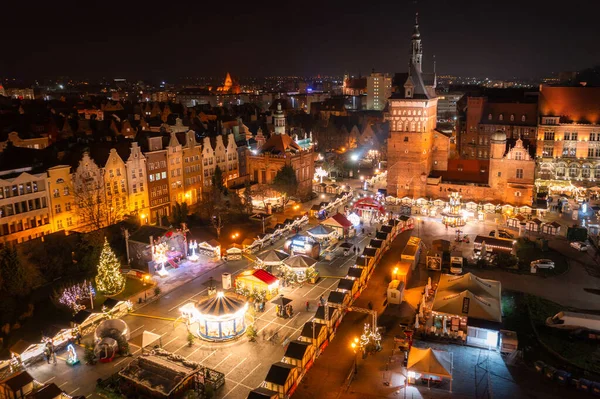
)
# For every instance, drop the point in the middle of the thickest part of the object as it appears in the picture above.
(47, 353)
(307, 306)
(370, 305)
(322, 300)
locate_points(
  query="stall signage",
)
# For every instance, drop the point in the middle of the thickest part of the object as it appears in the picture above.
(465, 306)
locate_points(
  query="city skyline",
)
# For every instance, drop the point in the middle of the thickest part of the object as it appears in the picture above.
(277, 39)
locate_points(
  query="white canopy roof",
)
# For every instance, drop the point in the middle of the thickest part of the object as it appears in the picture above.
(470, 296)
(430, 361)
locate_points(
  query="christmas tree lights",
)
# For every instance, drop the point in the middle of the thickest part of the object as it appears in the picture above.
(109, 279)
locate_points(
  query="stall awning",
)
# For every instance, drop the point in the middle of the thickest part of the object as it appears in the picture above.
(145, 339)
(468, 295)
(430, 361)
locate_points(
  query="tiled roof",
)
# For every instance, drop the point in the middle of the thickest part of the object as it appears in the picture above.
(264, 276)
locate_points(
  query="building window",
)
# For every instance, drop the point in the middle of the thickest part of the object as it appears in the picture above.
(489, 117)
(499, 174)
(560, 171)
(573, 171)
(69, 222)
(406, 139)
(141, 187)
(523, 118)
(512, 117)
(68, 207)
(518, 155)
(517, 193)
(519, 173)
(548, 150)
(57, 209)
(585, 172)
(56, 193)
(59, 224)
(500, 117)
(548, 135)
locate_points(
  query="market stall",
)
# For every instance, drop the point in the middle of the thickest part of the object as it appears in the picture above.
(234, 252)
(429, 366)
(303, 266)
(368, 209)
(470, 306)
(303, 245)
(322, 233)
(270, 258)
(258, 280)
(300, 353)
(551, 228)
(515, 221)
(282, 378)
(340, 224)
(210, 248)
(533, 225)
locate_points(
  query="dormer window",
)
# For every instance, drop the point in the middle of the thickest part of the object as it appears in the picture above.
(512, 117)
(523, 118)
(518, 155)
(500, 117)
(489, 117)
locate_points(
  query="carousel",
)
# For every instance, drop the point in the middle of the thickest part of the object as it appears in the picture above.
(452, 215)
(368, 209)
(220, 317)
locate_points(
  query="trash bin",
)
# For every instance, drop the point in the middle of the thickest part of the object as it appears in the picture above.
(226, 280)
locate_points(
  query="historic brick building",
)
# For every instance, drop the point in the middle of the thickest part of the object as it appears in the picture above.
(280, 149)
(412, 113)
(485, 116)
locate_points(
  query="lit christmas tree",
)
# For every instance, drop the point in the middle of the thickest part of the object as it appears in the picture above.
(109, 279)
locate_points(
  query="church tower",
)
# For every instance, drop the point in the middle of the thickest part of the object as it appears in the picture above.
(279, 120)
(412, 114)
(416, 49)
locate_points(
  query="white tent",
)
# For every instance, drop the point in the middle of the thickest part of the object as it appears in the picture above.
(468, 295)
(145, 339)
(430, 362)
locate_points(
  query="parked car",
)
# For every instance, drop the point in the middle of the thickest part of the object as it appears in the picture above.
(501, 234)
(579, 245)
(543, 264)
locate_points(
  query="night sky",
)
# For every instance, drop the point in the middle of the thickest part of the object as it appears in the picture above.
(171, 39)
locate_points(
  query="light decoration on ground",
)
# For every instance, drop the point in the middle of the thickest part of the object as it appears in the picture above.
(193, 246)
(71, 355)
(320, 173)
(220, 317)
(354, 219)
(160, 257)
(370, 339)
(109, 279)
(73, 295)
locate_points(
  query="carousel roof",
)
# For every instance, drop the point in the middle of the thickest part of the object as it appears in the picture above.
(302, 261)
(272, 255)
(320, 230)
(220, 305)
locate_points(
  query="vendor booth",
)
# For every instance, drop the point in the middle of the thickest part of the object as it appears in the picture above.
(210, 248)
(357, 273)
(315, 333)
(271, 258)
(429, 366)
(303, 245)
(493, 244)
(534, 225)
(468, 306)
(334, 317)
(299, 353)
(515, 221)
(551, 228)
(340, 224)
(258, 280)
(219, 317)
(303, 266)
(322, 233)
(234, 252)
(282, 378)
(348, 285)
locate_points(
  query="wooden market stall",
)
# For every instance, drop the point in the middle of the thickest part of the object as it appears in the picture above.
(259, 280)
(299, 353)
(282, 378)
(552, 228)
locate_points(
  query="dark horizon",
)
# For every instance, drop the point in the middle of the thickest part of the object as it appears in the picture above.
(499, 40)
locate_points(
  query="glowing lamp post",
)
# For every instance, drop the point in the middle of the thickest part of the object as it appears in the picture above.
(355, 346)
(395, 274)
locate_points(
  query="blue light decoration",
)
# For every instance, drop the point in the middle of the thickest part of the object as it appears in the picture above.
(72, 359)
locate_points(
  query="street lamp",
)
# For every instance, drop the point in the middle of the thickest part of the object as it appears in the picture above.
(395, 274)
(145, 280)
(419, 227)
(355, 345)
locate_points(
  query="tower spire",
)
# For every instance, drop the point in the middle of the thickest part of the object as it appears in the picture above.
(416, 53)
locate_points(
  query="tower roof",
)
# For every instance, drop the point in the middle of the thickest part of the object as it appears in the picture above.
(416, 34)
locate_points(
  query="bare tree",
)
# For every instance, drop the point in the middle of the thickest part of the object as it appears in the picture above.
(218, 222)
(88, 193)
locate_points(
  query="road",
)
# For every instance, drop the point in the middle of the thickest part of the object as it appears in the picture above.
(244, 364)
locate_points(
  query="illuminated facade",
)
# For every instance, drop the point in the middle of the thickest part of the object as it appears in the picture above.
(568, 139)
(192, 169)
(379, 89)
(137, 182)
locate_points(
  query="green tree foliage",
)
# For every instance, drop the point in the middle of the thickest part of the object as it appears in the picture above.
(217, 180)
(180, 213)
(109, 279)
(248, 198)
(13, 275)
(285, 183)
